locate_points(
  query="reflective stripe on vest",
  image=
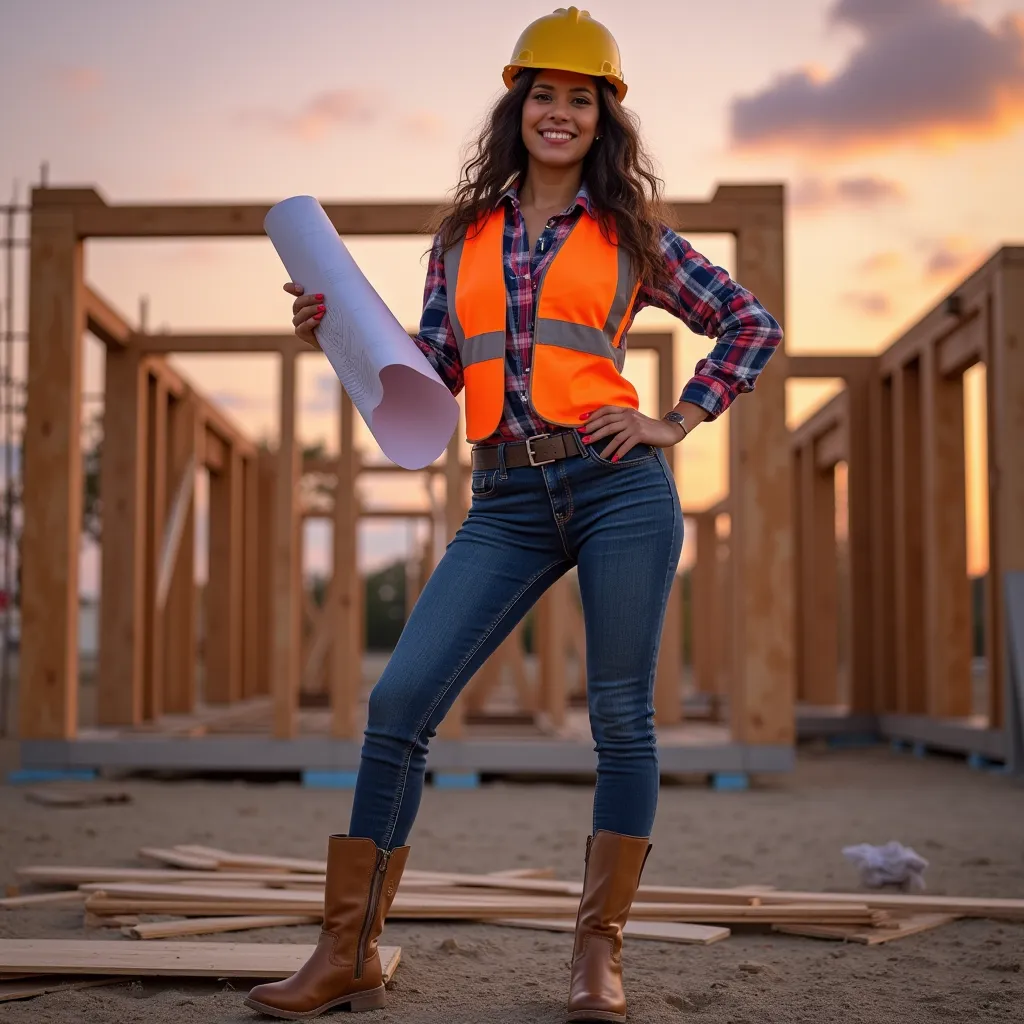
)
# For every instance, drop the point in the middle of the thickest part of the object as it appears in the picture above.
(584, 301)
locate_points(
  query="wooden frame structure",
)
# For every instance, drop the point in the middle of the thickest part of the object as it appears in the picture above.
(899, 427)
(255, 606)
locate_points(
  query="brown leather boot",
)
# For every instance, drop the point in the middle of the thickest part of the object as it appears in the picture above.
(345, 968)
(612, 877)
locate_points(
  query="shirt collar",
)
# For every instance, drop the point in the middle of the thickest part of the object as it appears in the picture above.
(582, 199)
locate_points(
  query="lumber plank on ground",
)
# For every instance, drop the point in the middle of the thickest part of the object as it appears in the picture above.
(214, 925)
(76, 798)
(29, 988)
(660, 931)
(897, 929)
(55, 874)
(165, 959)
(42, 899)
(177, 858)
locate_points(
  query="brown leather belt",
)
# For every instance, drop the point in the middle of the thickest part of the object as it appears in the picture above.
(535, 451)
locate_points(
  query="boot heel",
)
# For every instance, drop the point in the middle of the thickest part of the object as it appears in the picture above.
(375, 999)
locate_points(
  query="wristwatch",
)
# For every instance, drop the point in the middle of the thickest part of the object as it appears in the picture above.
(675, 417)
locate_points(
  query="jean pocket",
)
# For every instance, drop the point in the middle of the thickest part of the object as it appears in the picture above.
(484, 482)
(636, 455)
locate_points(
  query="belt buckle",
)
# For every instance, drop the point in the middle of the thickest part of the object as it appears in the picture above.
(529, 450)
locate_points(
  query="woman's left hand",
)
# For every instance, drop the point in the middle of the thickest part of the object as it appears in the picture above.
(627, 428)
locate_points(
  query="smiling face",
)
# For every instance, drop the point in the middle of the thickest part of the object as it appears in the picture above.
(560, 118)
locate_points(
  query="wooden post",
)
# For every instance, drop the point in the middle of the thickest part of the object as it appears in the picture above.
(760, 499)
(861, 500)
(224, 589)
(153, 683)
(819, 584)
(668, 680)
(287, 651)
(947, 604)
(801, 556)
(123, 472)
(453, 724)
(180, 610)
(908, 554)
(52, 510)
(883, 549)
(345, 592)
(1005, 365)
(252, 652)
(704, 604)
(267, 466)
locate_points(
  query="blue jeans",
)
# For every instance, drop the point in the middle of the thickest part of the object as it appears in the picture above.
(621, 525)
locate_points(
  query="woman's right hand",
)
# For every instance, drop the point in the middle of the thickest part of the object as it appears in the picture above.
(307, 312)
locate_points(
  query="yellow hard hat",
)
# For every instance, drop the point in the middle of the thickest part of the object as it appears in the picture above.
(568, 40)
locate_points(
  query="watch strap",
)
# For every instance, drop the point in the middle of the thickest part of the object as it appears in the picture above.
(675, 417)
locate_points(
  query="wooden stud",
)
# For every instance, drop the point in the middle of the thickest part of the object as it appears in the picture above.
(1006, 462)
(549, 643)
(252, 652)
(345, 597)
(286, 570)
(52, 506)
(705, 619)
(156, 504)
(267, 468)
(762, 707)
(947, 604)
(224, 587)
(908, 551)
(123, 472)
(883, 544)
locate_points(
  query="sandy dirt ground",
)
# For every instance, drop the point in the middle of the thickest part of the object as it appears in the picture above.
(786, 832)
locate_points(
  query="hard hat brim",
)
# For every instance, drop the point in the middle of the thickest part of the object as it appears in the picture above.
(512, 70)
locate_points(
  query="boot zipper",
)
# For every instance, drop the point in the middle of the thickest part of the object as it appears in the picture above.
(579, 912)
(371, 908)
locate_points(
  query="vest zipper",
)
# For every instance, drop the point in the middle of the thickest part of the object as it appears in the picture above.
(371, 909)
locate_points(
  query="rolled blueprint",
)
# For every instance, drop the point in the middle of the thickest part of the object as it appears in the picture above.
(408, 408)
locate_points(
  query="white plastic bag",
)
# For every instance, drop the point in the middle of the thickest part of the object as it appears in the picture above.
(891, 864)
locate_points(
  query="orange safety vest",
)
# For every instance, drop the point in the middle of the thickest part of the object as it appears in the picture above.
(584, 301)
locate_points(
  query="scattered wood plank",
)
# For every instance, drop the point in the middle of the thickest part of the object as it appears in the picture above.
(77, 798)
(214, 925)
(226, 859)
(897, 929)
(178, 859)
(30, 988)
(73, 875)
(661, 931)
(109, 921)
(164, 959)
(42, 899)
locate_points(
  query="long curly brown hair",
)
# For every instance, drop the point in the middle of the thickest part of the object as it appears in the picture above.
(618, 173)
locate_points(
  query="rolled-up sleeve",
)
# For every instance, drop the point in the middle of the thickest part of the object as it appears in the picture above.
(436, 339)
(710, 302)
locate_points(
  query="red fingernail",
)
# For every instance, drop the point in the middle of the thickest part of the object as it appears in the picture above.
(317, 316)
(585, 415)
(321, 307)
(586, 439)
(615, 458)
(319, 296)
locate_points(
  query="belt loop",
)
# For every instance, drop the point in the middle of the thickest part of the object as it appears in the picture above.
(502, 471)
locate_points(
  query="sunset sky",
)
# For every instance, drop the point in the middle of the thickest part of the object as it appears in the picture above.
(897, 125)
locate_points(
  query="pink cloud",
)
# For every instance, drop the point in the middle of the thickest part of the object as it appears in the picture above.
(818, 194)
(948, 256)
(319, 116)
(80, 79)
(873, 303)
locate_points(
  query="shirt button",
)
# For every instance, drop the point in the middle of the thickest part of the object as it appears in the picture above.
(551, 223)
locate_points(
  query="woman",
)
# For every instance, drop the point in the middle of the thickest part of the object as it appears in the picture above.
(554, 242)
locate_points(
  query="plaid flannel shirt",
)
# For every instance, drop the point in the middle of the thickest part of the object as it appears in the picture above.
(700, 294)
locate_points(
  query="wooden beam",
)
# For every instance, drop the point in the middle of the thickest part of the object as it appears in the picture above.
(215, 452)
(832, 447)
(760, 504)
(265, 640)
(167, 344)
(52, 503)
(947, 603)
(224, 588)
(287, 582)
(156, 502)
(908, 554)
(343, 610)
(94, 218)
(550, 645)
(706, 628)
(105, 322)
(827, 366)
(179, 609)
(123, 485)
(959, 351)
(820, 422)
